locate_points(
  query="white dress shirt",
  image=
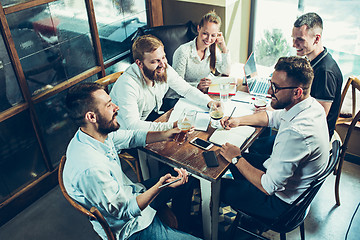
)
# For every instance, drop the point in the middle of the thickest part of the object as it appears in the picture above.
(300, 152)
(136, 100)
(93, 177)
(189, 66)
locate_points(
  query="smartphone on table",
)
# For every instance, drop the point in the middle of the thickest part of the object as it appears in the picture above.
(203, 144)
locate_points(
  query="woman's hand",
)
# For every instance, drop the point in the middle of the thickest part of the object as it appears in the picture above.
(220, 41)
(204, 85)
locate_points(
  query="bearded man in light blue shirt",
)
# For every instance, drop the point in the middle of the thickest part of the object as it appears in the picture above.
(93, 175)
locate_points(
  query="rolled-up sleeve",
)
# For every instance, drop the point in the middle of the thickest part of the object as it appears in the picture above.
(282, 163)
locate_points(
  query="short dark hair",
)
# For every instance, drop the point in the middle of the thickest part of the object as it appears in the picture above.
(298, 71)
(143, 44)
(311, 20)
(79, 101)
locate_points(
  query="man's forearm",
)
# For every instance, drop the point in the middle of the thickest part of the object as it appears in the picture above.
(251, 173)
(144, 199)
(152, 137)
(257, 119)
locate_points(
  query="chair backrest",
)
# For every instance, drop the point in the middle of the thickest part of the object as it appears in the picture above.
(93, 214)
(109, 79)
(172, 36)
(296, 214)
(354, 82)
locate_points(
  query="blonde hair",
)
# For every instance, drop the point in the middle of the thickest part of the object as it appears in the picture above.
(211, 17)
(146, 43)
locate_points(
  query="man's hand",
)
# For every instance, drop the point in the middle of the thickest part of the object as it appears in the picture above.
(182, 174)
(204, 85)
(228, 124)
(169, 135)
(229, 151)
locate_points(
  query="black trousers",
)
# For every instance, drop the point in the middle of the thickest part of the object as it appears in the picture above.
(243, 195)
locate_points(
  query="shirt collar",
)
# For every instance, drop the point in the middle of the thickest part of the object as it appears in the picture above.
(321, 55)
(97, 145)
(297, 108)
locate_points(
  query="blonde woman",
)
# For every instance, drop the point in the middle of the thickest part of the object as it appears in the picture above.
(207, 53)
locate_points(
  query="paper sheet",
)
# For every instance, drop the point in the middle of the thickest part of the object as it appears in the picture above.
(202, 116)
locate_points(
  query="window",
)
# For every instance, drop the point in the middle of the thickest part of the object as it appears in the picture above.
(55, 46)
(274, 20)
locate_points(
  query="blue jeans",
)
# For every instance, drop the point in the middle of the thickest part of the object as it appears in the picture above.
(158, 230)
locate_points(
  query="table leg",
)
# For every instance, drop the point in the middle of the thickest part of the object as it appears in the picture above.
(149, 165)
(143, 164)
(210, 202)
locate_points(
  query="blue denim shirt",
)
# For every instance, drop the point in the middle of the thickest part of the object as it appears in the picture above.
(93, 177)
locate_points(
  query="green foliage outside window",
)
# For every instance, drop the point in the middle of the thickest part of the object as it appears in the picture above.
(270, 48)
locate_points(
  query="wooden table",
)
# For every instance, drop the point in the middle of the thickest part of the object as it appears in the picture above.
(190, 158)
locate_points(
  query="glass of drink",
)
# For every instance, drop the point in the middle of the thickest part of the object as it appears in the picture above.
(259, 104)
(185, 122)
(216, 113)
(224, 91)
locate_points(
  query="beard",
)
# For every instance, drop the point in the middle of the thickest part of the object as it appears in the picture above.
(106, 127)
(154, 76)
(280, 104)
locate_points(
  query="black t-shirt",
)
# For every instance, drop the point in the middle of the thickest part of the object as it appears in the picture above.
(327, 84)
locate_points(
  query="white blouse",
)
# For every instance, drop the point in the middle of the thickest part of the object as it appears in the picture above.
(189, 66)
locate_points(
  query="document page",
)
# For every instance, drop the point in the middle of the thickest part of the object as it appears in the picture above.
(202, 119)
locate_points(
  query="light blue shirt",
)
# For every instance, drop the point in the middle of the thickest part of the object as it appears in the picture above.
(93, 177)
(300, 152)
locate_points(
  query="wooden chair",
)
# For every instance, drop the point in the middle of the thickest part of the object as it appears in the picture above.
(352, 121)
(93, 214)
(133, 162)
(296, 214)
(354, 82)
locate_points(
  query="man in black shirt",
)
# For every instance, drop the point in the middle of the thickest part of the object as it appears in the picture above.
(326, 87)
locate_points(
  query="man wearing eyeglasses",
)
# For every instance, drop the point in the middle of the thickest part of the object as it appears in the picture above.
(266, 185)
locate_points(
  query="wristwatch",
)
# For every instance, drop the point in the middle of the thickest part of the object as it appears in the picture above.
(236, 159)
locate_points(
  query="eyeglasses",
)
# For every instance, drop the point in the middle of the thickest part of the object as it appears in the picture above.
(276, 89)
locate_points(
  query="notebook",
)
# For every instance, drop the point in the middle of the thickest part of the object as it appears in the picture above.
(236, 136)
(256, 85)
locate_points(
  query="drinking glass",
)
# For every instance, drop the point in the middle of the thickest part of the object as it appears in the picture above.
(224, 91)
(185, 122)
(216, 113)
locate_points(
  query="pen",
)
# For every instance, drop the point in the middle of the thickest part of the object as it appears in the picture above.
(167, 184)
(176, 180)
(240, 101)
(232, 113)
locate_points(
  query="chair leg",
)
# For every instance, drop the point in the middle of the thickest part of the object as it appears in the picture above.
(282, 236)
(302, 231)
(337, 181)
(233, 226)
